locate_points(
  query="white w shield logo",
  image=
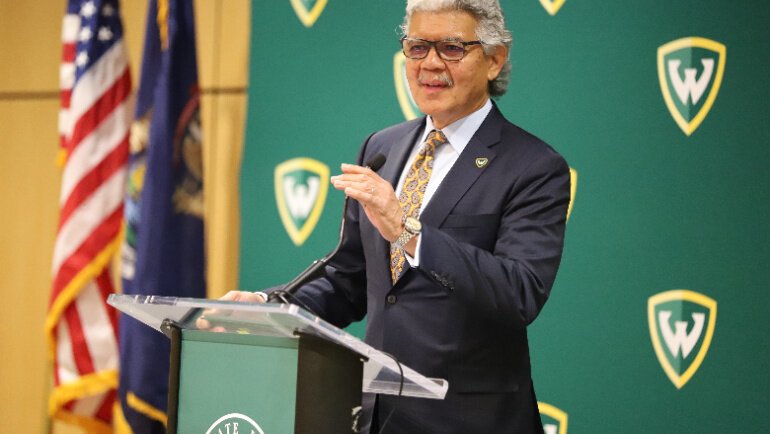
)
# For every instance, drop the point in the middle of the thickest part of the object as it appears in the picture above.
(690, 71)
(680, 322)
(301, 185)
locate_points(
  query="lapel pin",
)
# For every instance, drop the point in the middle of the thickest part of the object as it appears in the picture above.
(481, 162)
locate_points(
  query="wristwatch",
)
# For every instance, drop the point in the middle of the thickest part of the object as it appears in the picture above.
(412, 228)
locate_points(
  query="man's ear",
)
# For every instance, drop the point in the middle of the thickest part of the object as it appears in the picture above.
(497, 61)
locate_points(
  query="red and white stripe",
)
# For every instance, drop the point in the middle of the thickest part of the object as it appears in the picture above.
(94, 124)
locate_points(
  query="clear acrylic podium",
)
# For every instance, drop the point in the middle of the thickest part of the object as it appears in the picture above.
(267, 368)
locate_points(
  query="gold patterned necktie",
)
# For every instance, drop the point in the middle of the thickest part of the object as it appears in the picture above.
(413, 192)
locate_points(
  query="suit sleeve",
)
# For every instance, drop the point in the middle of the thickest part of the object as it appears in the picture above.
(340, 296)
(511, 283)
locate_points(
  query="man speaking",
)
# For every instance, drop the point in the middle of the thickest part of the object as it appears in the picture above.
(451, 248)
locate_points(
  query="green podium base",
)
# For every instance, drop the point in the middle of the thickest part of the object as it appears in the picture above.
(229, 382)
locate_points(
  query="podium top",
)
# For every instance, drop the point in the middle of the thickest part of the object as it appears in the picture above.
(382, 374)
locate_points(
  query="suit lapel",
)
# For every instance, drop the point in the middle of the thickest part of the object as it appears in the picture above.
(465, 171)
(398, 154)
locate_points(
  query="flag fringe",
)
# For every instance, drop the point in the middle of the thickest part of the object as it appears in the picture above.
(146, 408)
(119, 423)
(87, 385)
(73, 288)
(162, 18)
(61, 158)
(88, 424)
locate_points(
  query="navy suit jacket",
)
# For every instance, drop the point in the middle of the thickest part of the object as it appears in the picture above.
(490, 247)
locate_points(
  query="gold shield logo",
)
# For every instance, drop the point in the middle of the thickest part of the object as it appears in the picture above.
(552, 6)
(301, 185)
(308, 11)
(408, 106)
(554, 420)
(573, 180)
(702, 63)
(681, 327)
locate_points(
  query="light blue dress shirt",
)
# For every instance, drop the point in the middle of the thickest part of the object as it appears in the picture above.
(458, 134)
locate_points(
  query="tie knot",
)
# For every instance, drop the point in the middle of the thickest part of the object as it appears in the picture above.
(435, 139)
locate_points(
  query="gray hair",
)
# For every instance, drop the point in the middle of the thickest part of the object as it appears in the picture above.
(490, 30)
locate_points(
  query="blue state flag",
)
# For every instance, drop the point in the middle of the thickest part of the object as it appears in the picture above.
(163, 253)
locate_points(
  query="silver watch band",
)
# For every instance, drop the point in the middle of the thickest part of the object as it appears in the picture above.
(403, 239)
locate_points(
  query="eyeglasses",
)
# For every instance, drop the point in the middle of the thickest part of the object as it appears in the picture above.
(450, 50)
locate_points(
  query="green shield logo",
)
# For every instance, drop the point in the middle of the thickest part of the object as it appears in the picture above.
(301, 185)
(308, 11)
(690, 71)
(554, 420)
(408, 106)
(552, 6)
(681, 327)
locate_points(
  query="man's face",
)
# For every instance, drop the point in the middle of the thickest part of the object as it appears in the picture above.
(430, 78)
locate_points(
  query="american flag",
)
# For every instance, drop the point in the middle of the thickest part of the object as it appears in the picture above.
(94, 123)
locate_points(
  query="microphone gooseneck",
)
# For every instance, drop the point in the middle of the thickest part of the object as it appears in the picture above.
(316, 269)
(375, 162)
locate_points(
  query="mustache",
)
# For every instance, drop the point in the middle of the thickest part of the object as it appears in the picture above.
(429, 78)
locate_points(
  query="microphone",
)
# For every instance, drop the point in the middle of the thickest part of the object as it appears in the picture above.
(316, 269)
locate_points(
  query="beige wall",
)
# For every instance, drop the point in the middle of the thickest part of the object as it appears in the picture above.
(29, 178)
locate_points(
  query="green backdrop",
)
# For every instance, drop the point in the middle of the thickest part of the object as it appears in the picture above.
(655, 209)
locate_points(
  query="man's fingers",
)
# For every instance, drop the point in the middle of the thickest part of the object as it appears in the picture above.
(245, 296)
(231, 296)
(367, 198)
(202, 323)
(374, 193)
(352, 168)
(363, 186)
(360, 178)
(362, 189)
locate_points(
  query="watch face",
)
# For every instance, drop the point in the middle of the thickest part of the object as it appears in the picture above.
(412, 225)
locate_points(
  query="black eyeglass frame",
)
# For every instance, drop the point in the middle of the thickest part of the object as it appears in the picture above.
(434, 45)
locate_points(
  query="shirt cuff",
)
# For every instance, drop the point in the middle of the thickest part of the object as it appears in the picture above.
(414, 261)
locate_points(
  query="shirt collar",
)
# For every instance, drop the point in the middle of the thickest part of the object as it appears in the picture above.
(460, 132)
